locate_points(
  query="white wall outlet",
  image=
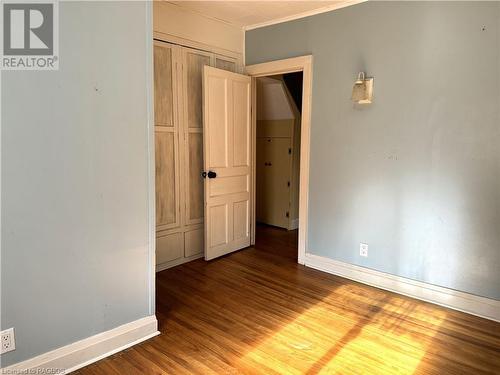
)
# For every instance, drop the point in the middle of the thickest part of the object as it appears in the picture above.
(363, 249)
(8, 341)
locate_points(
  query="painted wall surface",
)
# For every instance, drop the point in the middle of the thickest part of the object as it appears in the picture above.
(416, 175)
(74, 154)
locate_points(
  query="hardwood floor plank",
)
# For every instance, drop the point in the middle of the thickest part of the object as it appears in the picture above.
(259, 312)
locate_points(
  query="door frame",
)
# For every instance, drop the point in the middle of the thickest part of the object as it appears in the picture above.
(296, 64)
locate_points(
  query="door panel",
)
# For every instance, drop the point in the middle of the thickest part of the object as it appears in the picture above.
(228, 185)
(194, 61)
(273, 175)
(193, 242)
(218, 225)
(241, 219)
(164, 84)
(166, 136)
(217, 97)
(226, 141)
(194, 204)
(167, 193)
(241, 133)
(169, 247)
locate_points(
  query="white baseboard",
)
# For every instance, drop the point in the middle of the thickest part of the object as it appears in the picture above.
(177, 262)
(465, 302)
(84, 352)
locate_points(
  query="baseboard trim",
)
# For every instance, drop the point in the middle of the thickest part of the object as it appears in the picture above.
(294, 224)
(177, 262)
(465, 302)
(84, 352)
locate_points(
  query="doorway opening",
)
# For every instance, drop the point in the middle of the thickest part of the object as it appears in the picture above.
(300, 97)
(277, 168)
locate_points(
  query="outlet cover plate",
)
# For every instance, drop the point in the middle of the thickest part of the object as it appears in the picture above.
(8, 341)
(363, 249)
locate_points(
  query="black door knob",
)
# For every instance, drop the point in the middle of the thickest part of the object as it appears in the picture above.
(211, 174)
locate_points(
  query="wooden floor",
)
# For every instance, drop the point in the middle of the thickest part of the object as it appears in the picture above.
(258, 312)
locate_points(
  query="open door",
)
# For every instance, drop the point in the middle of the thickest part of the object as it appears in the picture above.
(227, 161)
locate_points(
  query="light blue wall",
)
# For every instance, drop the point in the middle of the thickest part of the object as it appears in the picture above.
(416, 175)
(74, 192)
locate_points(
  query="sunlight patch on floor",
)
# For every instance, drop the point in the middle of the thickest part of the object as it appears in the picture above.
(391, 354)
(328, 338)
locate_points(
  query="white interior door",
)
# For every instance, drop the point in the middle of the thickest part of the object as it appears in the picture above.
(227, 161)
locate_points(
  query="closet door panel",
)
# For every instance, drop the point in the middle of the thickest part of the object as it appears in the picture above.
(164, 84)
(193, 242)
(195, 182)
(193, 63)
(167, 182)
(169, 247)
(167, 125)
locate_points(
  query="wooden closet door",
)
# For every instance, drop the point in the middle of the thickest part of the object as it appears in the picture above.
(166, 137)
(193, 63)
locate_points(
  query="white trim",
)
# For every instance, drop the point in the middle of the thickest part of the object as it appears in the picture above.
(244, 55)
(253, 172)
(177, 262)
(150, 136)
(465, 302)
(308, 13)
(84, 352)
(295, 64)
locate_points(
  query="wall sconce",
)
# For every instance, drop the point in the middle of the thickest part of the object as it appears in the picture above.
(362, 92)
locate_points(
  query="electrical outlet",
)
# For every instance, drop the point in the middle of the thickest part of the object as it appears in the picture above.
(363, 249)
(8, 341)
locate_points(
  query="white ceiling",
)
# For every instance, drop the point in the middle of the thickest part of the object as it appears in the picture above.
(252, 14)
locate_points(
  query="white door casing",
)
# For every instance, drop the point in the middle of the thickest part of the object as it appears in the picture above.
(227, 159)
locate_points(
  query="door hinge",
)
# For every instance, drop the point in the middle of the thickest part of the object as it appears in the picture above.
(288, 184)
(289, 151)
(287, 214)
